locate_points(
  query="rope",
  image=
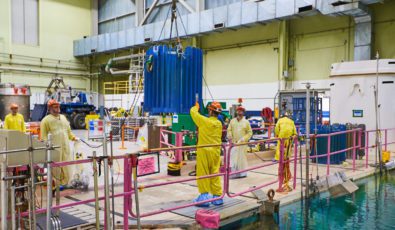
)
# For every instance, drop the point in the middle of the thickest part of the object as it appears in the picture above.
(92, 146)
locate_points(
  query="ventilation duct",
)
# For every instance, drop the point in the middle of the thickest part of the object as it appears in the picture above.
(363, 23)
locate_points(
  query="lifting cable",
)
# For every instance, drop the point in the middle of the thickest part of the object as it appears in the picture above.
(209, 91)
(164, 23)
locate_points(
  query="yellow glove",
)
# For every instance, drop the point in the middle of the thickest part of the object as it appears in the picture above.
(197, 105)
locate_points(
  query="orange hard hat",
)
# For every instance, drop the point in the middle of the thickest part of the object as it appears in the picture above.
(240, 108)
(52, 102)
(215, 106)
(13, 106)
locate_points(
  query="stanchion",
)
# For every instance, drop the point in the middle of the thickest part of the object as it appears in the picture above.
(134, 161)
(96, 189)
(13, 223)
(49, 182)
(122, 137)
(107, 218)
(4, 195)
(112, 180)
(32, 193)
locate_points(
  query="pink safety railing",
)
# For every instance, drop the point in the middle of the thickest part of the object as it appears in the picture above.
(226, 148)
(71, 204)
(259, 166)
(354, 146)
(163, 141)
(385, 144)
(178, 136)
(129, 188)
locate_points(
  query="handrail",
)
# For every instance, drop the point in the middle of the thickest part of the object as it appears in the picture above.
(181, 181)
(128, 188)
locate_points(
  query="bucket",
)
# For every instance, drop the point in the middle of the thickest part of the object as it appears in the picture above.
(208, 218)
(386, 156)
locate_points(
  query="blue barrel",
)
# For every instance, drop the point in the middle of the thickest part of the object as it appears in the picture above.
(338, 142)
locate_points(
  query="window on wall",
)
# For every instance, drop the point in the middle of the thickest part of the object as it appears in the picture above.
(24, 19)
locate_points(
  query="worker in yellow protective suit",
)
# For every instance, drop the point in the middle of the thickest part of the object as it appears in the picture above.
(14, 120)
(285, 128)
(239, 131)
(208, 159)
(58, 125)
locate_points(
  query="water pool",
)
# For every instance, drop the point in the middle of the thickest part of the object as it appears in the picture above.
(372, 206)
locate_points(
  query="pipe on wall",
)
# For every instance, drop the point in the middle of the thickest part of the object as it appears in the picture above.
(69, 63)
(19, 69)
(110, 70)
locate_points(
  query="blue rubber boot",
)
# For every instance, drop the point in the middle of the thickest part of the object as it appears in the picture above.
(217, 202)
(202, 197)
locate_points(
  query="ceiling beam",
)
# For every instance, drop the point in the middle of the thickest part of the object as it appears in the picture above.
(153, 5)
(187, 6)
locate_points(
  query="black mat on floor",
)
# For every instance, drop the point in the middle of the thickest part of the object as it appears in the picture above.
(66, 220)
(190, 211)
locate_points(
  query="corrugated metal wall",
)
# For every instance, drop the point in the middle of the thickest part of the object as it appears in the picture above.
(209, 4)
(116, 15)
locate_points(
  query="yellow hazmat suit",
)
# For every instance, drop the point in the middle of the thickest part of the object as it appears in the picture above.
(239, 131)
(208, 160)
(15, 122)
(285, 128)
(60, 129)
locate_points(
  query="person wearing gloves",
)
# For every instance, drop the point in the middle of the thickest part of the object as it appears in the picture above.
(14, 120)
(208, 159)
(239, 131)
(285, 128)
(58, 125)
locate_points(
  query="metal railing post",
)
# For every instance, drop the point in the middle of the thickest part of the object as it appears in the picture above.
(32, 194)
(4, 194)
(49, 182)
(134, 160)
(13, 218)
(328, 160)
(178, 155)
(367, 149)
(123, 137)
(295, 159)
(126, 188)
(107, 219)
(281, 165)
(354, 137)
(96, 188)
(226, 169)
